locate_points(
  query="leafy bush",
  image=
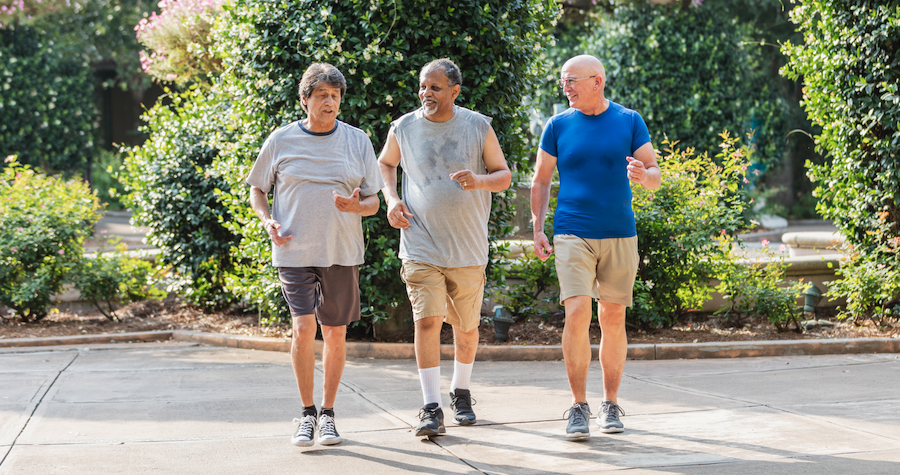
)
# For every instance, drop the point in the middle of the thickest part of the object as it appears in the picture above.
(171, 189)
(538, 293)
(758, 289)
(266, 46)
(44, 221)
(113, 278)
(46, 118)
(680, 226)
(179, 40)
(850, 66)
(104, 169)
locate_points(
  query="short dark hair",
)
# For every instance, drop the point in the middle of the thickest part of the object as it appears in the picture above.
(451, 70)
(316, 74)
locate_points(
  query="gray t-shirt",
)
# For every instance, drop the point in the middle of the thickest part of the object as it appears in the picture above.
(449, 226)
(305, 167)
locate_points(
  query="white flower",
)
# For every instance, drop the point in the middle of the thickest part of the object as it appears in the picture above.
(399, 56)
(468, 39)
(649, 284)
(324, 13)
(338, 48)
(537, 46)
(367, 80)
(352, 71)
(491, 80)
(366, 55)
(389, 100)
(505, 64)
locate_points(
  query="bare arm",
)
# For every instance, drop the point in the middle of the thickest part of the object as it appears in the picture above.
(259, 201)
(540, 201)
(397, 212)
(643, 168)
(498, 177)
(361, 205)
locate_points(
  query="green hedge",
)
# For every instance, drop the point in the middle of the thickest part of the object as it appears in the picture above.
(47, 110)
(850, 63)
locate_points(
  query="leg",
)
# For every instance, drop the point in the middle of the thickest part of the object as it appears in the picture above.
(428, 342)
(613, 347)
(333, 358)
(303, 356)
(465, 344)
(576, 345)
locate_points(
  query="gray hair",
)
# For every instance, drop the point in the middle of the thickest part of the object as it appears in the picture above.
(451, 70)
(318, 73)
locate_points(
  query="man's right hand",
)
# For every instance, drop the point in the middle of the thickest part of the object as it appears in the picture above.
(397, 213)
(272, 228)
(542, 247)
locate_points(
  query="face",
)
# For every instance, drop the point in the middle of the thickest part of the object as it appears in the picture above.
(583, 91)
(436, 94)
(324, 103)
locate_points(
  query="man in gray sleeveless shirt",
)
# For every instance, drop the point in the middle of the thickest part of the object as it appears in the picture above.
(451, 162)
(325, 177)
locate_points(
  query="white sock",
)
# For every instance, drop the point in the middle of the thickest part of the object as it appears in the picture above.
(431, 385)
(462, 373)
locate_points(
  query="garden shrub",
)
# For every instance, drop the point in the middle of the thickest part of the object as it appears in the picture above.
(379, 47)
(538, 293)
(178, 40)
(112, 278)
(171, 188)
(47, 111)
(850, 65)
(759, 289)
(680, 226)
(44, 221)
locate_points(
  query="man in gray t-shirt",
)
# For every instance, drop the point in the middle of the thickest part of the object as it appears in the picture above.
(325, 178)
(451, 162)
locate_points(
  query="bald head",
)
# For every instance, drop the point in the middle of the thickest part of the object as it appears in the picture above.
(585, 65)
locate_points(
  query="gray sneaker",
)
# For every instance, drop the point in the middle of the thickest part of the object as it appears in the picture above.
(305, 435)
(608, 419)
(579, 417)
(328, 434)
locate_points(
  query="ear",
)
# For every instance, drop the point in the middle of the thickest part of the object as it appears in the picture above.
(456, 89)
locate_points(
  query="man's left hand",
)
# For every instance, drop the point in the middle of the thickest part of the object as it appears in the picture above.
(348, 204)
(636, 170)
(467, 180)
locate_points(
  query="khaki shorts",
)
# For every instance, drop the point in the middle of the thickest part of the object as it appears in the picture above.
(454, 293)
(605, 269)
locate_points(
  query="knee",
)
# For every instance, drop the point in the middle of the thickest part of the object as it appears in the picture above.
(429, 324)
(303, 330)
(334, 335)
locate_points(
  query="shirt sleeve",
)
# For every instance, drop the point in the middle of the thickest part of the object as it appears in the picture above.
(262, 175)
(548, 139)
(372, 181)
(640, 135)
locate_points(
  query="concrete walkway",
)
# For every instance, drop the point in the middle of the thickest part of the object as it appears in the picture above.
(178, 407)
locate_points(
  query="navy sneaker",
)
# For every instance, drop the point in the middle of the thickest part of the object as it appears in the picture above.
(461, 402)
(328, 434)
(305, 435)
(431, 421)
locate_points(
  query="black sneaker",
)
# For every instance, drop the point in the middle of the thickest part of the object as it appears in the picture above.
(305, 435)
(328, 434)
(608, 419)
(431, 421)
(461, 402)
(579, 417)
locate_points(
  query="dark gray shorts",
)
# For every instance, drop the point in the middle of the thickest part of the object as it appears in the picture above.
(331, 293)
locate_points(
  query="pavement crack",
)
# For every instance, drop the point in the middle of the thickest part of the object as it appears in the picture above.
(36, 406)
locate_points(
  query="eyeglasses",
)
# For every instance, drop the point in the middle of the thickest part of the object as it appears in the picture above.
(568, 82)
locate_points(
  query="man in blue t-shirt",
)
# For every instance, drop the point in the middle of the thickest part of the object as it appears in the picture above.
(598, 147)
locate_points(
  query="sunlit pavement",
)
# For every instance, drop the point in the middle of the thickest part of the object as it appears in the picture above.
(182, 408)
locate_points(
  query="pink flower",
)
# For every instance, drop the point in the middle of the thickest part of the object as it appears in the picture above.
(61, 252)
(14, 250)
(18, 230)
(765, 242)
(722, 232)
(782, 248)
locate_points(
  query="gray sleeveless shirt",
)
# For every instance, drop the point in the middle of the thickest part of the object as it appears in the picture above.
(449, 226)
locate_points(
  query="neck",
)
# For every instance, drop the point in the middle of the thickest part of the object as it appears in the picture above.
(318, 126)
(597, 108)
(440, 117)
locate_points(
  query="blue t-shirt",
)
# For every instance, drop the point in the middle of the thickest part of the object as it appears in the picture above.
(594, 200)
